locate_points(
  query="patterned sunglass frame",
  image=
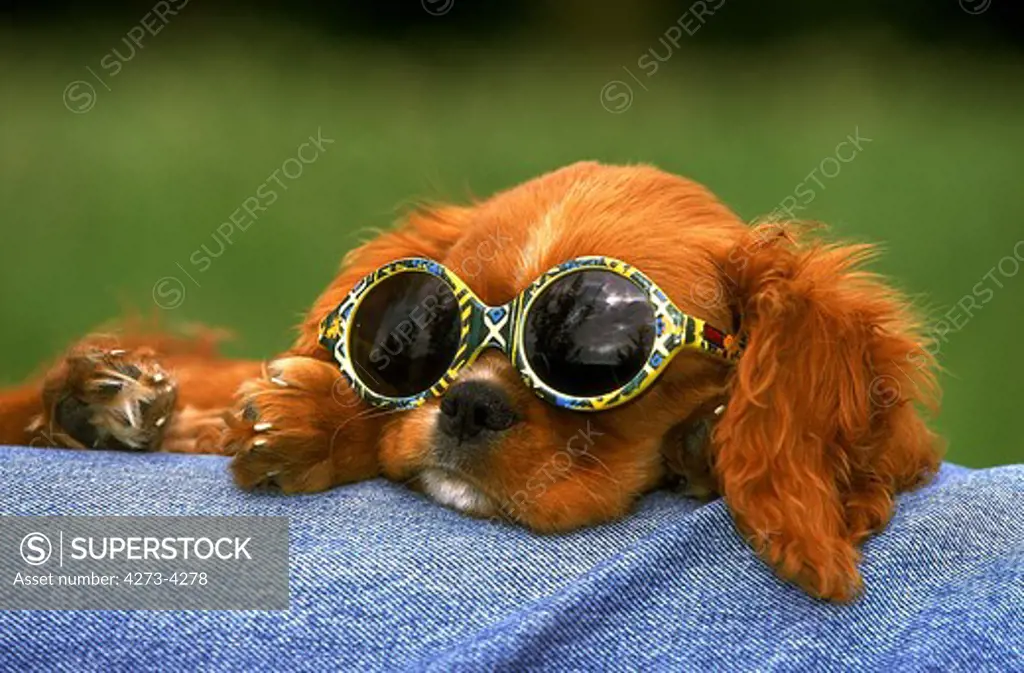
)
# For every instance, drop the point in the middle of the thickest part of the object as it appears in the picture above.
(501, 327)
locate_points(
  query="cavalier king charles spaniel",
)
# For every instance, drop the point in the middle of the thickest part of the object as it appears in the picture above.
(546, 357)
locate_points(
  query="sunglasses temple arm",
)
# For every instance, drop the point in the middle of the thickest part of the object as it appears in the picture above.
(330, 331)
(698, 334)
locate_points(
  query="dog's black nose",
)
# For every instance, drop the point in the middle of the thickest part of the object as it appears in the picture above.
(473, 406)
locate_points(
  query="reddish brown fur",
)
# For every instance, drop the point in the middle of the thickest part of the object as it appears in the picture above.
(821, 427)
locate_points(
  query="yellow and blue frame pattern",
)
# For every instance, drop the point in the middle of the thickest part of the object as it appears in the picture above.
(501, 327)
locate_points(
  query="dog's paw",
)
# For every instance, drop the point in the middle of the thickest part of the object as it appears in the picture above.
(104, 397)
(282, 431)
(824, 568)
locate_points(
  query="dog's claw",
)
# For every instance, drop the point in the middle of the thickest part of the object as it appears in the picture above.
(109, 386)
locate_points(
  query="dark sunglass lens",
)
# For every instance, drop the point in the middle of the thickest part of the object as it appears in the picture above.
(589, 333)
(405, 334)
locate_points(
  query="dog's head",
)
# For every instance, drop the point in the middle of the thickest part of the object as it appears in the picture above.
(490, 446)
(807, 434)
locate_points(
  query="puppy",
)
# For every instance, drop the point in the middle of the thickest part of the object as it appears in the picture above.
(546, 357)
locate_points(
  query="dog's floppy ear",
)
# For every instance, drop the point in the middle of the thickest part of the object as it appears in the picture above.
(823, 423)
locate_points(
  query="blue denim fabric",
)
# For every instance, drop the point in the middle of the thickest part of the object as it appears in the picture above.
(382, 579)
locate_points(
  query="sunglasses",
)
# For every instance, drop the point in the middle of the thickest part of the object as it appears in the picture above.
(590, 334)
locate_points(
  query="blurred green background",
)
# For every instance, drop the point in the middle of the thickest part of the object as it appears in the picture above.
(100, 204)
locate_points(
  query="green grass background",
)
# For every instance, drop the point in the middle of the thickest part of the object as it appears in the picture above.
(97, 207)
